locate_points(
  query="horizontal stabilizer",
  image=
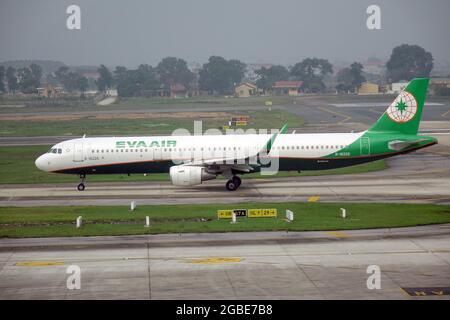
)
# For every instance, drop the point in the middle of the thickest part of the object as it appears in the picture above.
(400, 145)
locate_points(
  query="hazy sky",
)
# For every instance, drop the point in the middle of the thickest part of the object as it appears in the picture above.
(130, 32)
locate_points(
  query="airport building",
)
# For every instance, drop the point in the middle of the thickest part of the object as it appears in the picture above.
(246, 89)
(291, 88)
(368, 88)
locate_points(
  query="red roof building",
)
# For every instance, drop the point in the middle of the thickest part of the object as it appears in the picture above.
(291, 88)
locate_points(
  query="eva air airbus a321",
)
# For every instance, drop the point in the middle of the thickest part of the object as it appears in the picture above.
(190, 160)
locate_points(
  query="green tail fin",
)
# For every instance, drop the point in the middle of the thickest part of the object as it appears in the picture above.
(404, 114)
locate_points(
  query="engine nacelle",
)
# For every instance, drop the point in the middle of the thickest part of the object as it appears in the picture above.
(189, 176)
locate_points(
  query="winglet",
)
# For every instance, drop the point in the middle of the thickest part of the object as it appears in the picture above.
(272, 139)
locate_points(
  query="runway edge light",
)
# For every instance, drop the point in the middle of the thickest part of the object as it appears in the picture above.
(133, 205)
(147, 221)
(343, 213)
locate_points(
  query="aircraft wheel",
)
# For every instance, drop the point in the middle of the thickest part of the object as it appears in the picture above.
(81, 187)
(231, 185)
(237, 181)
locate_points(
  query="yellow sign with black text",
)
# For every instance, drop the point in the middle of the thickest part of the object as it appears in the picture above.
(250, 213)
(226, 214)
(257, 213)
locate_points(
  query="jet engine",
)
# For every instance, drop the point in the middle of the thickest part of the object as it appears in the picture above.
(189, 176)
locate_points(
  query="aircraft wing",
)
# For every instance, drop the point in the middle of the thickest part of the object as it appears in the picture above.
(236, 163)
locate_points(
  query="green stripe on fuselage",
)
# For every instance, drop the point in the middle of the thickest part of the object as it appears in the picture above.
(376, 144)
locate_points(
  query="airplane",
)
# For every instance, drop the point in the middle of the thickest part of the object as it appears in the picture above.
(190, 160)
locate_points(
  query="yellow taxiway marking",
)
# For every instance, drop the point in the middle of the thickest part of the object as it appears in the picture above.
(346, 117)
(39, 263)
(338, 234)
(445, 113)
(214, 260)
(313, 199)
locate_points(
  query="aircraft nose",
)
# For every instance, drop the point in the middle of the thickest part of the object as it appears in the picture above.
(41, 163)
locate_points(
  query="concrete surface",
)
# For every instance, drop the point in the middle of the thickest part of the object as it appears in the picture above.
(305, 265)
(418, 177)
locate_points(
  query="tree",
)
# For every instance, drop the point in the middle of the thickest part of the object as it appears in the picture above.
(25, 80)
(29, 78)
(268, 76)
(63, 77)
(408, 62)
(119, 74)
(36, 72)
(172, 70)
(2, 79)
(81, 83)
(220, 76)
(105, 81)
(71, 81)
(312, 71)
(237, 70)
(136, 82)
(350, 78)
(11, 78)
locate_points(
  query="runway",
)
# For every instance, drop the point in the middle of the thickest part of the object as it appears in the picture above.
(321, 113)
(260, 265)
(418, 177)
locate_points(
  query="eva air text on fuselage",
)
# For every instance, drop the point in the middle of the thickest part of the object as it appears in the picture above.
(145, 144)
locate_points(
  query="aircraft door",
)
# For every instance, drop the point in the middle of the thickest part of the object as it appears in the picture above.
(78, 152)
(365, 146)
(156, 153)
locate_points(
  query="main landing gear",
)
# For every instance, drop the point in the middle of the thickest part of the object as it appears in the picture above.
(81, 186)
(233, 183)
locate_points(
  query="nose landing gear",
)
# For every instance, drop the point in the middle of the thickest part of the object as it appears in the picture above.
(81, 186)
(233, 183)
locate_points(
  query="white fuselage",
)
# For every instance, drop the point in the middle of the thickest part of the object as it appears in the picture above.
(93, 152)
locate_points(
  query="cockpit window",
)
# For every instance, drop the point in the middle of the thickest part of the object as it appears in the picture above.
(55, 150)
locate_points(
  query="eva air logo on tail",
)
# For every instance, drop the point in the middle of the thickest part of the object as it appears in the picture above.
(403, 108)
